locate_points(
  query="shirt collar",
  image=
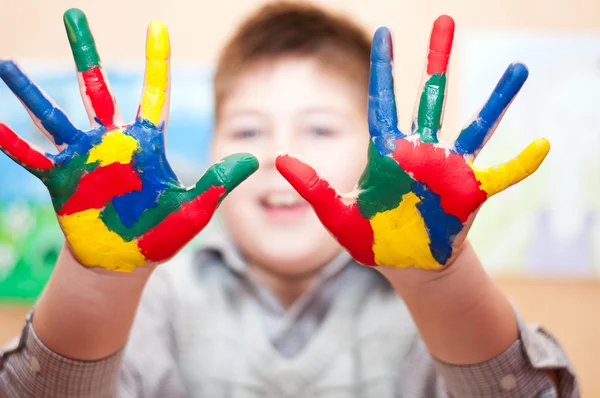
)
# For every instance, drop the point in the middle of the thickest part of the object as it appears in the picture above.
(218, 241)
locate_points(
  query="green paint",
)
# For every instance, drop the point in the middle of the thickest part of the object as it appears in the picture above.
(229, 173)
(63, 179)
(169, 202)
(382, 184)
(430, 108)
(232, 170)
(82, 42)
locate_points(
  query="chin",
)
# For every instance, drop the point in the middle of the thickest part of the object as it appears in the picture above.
(292, 265)
(293, 258)
(292, 246)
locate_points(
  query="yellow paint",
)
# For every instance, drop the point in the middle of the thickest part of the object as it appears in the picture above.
(400, 237)
(497, 179)
(115, 147)
(157, 72)
(96, 246)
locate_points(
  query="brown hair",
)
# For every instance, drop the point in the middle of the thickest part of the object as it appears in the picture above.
(283, 29)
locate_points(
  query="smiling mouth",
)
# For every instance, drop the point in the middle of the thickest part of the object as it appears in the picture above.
(284, 206)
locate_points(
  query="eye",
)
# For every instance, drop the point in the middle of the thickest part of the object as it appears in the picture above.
(322, 132)
(246, 134)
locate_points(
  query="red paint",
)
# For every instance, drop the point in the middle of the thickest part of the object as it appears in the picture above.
(19, 149)
(101, 99)
(101, 185)
(167, 238)
(344, 221)
(450, 176)
(440, 45)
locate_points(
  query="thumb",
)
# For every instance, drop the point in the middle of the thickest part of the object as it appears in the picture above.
(308, 184)
(230, 172)
(342, 220)
(178, 228)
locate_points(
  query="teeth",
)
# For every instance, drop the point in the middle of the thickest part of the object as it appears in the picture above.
(282, 199)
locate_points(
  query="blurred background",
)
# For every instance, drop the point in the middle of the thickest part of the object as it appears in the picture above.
(540, 240)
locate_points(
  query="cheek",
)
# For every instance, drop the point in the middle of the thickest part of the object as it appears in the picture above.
(341, 166)
(238, 204)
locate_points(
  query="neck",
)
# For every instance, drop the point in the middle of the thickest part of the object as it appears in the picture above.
(286, 287)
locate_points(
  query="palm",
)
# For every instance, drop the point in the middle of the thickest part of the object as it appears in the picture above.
(417, 197)
(117, 199)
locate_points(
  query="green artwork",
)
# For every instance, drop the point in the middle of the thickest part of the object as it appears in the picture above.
(30, 240)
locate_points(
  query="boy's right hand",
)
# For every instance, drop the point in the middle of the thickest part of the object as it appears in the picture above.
(117, 199)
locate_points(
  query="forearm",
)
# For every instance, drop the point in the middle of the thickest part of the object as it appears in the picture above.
(462, 316)
(87, 313)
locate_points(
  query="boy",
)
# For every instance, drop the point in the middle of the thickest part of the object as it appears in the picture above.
(272, 307)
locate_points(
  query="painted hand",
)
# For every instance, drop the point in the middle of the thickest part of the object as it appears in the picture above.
(118, 201)
(418, 196)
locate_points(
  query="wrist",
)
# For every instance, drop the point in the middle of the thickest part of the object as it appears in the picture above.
(458, 289)
(413, 281)
(94, 286)
(86, 313)
(68, 259)
(462, 316)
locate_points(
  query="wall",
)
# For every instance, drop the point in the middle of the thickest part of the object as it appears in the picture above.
(199, 28)
(33, 30)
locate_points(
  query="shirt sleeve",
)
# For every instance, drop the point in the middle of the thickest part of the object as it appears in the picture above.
(29, 369)
(521, 371)
(145, 368)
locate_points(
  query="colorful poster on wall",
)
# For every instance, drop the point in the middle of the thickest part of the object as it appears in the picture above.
(549, 225)
(30, 238)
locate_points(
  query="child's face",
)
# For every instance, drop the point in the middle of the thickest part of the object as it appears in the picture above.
(291, 106)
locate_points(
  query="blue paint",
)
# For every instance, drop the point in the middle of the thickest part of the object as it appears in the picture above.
(150, 163)
(472, 137)
(442, 227)
(86, 141)
(383, 119)
(131, 206)
(54, 119)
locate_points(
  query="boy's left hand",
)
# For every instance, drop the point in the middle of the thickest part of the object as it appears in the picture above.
(418, 196)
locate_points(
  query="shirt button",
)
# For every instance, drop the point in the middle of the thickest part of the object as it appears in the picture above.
(508, 382)
(34, 364)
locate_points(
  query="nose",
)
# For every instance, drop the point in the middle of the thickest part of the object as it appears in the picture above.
(280, 143)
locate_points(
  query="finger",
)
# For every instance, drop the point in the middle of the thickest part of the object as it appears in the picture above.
(473, 137)
(154, 105)
(427, 120)
(497, 179)
(343, 221)
(96, 93)
(229, 172)
(165, 239)
(22, 152)
(51, 120)
(383, 119)
(307, 183)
